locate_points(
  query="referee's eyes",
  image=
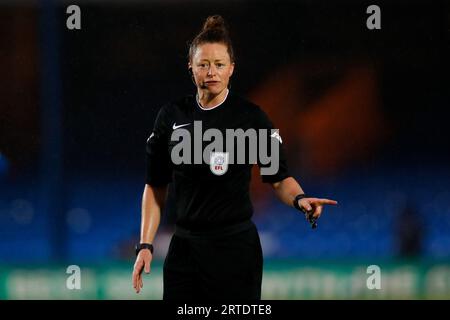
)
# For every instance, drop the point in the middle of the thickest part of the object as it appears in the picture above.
(220, 65)
(203, 65)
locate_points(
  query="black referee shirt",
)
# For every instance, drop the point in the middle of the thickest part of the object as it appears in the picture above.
(205, 200)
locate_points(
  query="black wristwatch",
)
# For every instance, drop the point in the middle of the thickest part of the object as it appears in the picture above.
(309, 217)
(296, 199)
(141, 246)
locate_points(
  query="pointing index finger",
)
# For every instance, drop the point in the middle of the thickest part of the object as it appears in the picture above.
(328, 201)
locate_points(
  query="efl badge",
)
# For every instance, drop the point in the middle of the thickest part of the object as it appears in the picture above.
(219, 163)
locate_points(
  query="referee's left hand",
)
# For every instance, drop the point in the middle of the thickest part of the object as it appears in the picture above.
(315, 205)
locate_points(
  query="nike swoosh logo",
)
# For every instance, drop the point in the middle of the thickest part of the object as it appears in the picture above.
(179, 126)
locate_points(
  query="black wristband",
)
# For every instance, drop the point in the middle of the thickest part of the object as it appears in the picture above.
(312, 221)
(296, 199)
(141, 246)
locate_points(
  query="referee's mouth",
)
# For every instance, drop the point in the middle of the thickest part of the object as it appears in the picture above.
(211, 83)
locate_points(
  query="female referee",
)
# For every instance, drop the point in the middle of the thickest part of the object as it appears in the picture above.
(215, 252)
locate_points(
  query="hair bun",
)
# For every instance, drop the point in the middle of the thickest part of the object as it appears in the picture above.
(214, 30)
(214, 22)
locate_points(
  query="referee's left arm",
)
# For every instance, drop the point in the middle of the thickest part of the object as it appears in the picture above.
(285, 186)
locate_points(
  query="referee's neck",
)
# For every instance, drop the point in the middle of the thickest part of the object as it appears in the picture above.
(208, 103)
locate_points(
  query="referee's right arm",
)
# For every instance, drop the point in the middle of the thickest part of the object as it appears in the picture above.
(153, 201)
(158, 176)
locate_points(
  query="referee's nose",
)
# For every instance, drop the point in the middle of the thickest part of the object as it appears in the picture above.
(212, 70)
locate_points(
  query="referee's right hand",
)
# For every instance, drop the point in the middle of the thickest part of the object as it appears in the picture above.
(143, 261)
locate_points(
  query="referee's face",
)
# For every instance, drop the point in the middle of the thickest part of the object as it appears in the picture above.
(212, 67)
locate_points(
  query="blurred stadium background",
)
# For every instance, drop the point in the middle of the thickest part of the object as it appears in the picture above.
(363, 114)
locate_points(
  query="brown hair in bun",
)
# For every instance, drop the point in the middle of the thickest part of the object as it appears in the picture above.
(214, 30)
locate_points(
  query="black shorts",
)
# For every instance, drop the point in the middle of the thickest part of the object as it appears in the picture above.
(214, 267)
